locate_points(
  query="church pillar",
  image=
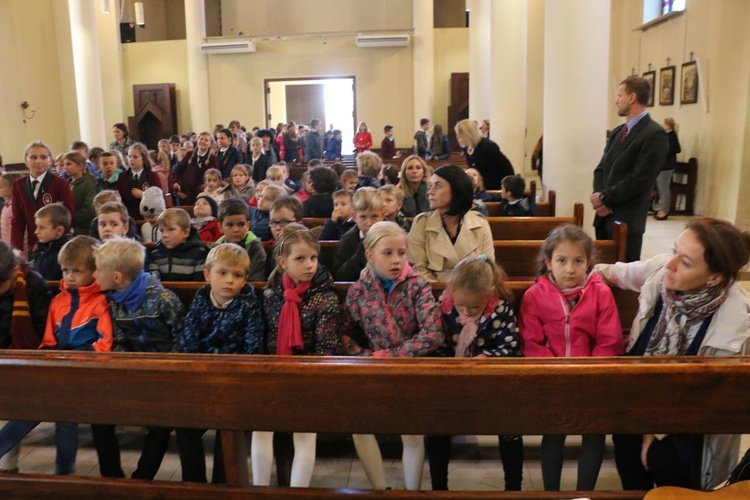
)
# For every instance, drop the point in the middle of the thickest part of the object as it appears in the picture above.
(479, 59)
(197, 65)
(424, 62)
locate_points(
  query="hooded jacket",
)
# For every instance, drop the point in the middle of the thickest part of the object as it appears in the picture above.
(185, 262)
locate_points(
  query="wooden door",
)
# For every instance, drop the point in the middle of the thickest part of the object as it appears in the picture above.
(459, 107)
(305, 102)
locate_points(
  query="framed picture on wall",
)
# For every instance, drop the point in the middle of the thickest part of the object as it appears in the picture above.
(689, 94)
(666, 86)
(650, 77)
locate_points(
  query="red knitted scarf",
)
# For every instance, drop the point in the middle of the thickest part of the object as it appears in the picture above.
(23, 335)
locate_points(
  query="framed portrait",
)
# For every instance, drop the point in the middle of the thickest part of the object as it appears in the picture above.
(650, 77)
(666, 86)
(689, 93)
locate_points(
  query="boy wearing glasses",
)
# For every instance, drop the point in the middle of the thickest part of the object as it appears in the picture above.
(284, 211)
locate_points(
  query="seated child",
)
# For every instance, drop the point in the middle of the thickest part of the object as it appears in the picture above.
(333, 147)
(260, 215)
(368, 169)
(349, 258)
(224, 318)
(147, 318)
(24, 302)
(180, 255)
(514, 203)
(110, 166)
(113, 221)
(258, 189)
(342, 217)
(78, 320)
(105, 197)
(275, 175)
(235, 224)
(323, 182)
(476, 179)
(393, 200)
(304, 193)
(213, 184)
(289, 184)
(52, 232)
(152, 206)
(315, 162)
(205, 212)
(389, 175)
(339, 168)
(348, 179)
(284, 211)
(241, 186)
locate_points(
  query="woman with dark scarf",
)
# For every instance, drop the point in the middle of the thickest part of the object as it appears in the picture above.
(690, 304)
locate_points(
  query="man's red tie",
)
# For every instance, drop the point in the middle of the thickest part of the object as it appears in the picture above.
(624, 133)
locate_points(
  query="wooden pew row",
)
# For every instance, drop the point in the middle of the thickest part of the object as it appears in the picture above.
(520, 396)
(543, 208)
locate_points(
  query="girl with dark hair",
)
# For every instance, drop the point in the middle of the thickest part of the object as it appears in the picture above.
(451, 230)
(139, 177)
(122, 140)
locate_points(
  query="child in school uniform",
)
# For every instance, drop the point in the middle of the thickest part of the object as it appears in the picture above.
(205, 213)
(224, 318)
(137, 179)
(52, 232)
(342, 217)
(260, 215)
(393, 201)
(479, 322)
(24, 303)
(569, 311)
(235, 224)
(147, 318)
(78, 320)
(180, 255)
(394, 314)
(349, 257)
(152, 206)
(303, 317)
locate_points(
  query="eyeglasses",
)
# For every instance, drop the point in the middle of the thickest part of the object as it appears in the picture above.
(280, 223)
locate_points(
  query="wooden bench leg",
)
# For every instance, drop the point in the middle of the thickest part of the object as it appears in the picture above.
(235, 457)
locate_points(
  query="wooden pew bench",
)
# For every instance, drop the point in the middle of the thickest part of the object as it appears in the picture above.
(425, 396)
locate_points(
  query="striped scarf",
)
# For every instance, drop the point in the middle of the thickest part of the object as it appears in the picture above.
(23, 335)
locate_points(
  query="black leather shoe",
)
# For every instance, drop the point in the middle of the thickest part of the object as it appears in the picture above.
(665, 217)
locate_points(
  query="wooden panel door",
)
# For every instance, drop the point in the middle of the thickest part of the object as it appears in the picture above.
(305, 102)
(459, 107)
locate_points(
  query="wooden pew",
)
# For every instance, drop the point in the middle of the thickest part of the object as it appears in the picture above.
(531, 228)
(543, 208)
(520, 396)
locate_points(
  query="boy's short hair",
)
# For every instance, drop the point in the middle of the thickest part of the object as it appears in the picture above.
(273, 191)
(174, 139)
(367, 199)
(423, 122)
(343, 192)
(315, 162)
(105, 196)
(232, 206)
(314, 122)
(114, 207)
(390, 173)
(387, 128)
(391, 190)
(348, 174)
(176, 216)
(58, 215)
(338, 167)
(515, 185)
(229, 254)
(8, 261)
(324, 180)
(290, 203)
(79, 145)
(123, 255)
(79, 249)
(273, 170)
(369, 164)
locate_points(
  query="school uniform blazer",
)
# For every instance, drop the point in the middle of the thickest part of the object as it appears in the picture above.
(53, 189)
(433, 254)
(260, 166)
(627, 171)
(227, 160)
(146, 179)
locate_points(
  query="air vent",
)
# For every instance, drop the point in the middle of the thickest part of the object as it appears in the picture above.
(372, 41)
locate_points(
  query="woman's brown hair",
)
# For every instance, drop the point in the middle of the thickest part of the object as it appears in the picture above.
(726, 249)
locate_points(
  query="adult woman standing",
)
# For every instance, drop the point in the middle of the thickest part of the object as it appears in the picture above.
(122, 140)
(439, 239)
(689, 304)
(32, 192)
(665, 176)
(483, 154)
(414, 176)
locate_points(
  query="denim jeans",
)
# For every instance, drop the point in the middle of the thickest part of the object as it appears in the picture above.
(66, 436)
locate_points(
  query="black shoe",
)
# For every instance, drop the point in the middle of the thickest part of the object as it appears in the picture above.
(664, 217)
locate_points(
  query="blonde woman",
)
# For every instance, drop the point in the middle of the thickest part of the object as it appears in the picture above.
(483, 154)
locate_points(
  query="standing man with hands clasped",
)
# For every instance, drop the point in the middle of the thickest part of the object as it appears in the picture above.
(632, 160)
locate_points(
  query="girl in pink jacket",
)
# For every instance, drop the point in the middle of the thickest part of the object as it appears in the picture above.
(569, 312)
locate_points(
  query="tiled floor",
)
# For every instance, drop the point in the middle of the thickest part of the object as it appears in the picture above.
(476, 467)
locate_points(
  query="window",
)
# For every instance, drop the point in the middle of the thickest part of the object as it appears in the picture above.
(653, 9)
(668, 6)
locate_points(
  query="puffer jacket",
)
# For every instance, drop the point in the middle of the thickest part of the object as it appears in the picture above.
(549, 327)
(320, 315)
(405, 322)
(185, 262)
(237, 329)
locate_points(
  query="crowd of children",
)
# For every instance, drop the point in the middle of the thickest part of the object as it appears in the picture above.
(246, 226)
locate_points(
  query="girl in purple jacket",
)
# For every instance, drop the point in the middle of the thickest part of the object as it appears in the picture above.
(393, 309)
(569, 312)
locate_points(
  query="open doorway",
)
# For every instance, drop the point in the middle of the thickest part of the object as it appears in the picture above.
(329, 99)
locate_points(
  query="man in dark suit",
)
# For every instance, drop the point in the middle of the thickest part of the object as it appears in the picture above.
(626, 173)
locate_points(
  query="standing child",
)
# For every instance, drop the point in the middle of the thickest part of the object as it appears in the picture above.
(393, 201)
(569, 312)
(147, 318)
(205, 221)
(83, 185)
(189, 171)
(235, 224)
(224, 318)
(479, 322)
(260, 215)
(362, 139)
(152, 206)
(259, 161)
(395, 310)
(6, 185)
(78, 320)
(388, 144)
(349, 257)
(213, 185)
(110, 166)
(52, 232)
(228, 155)
(180, 255)
(140, 177)
(420, 138)
(333, 148)
(303, 317)
(342, 217)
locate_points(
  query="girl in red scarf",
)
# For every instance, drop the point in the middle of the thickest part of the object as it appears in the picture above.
(303, 317)
(569, 312)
